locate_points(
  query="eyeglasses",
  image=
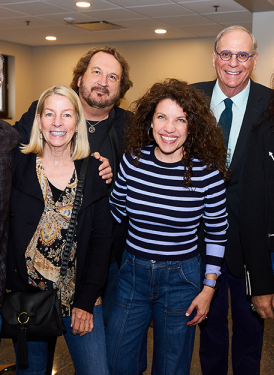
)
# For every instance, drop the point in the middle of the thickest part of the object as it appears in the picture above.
(240, 56)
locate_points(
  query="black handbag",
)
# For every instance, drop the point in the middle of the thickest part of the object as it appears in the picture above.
(38, 315)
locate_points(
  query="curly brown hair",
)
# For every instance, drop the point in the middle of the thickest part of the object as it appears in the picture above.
(205, 140)
(83, 63)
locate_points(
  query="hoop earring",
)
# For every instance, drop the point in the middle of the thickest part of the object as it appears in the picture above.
(148, 135)
(41, 135)
(188, 142)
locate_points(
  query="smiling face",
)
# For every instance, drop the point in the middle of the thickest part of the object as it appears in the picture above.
(234, 75)
(170, 131)
(58, 122)
(99, 87)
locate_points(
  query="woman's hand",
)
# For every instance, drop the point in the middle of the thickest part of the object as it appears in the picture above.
(202, 304)
(105, 170)
(81, 322)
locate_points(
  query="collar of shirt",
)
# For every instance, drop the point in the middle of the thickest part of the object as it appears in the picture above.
(217, 100)
(217, 106)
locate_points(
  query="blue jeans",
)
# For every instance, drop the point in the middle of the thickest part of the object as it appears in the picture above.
(158, 290)
(88, 352)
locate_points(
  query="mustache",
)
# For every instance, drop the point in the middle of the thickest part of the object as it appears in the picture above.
(104, 89)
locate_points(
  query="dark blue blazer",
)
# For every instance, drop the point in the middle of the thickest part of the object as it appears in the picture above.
(257, 209)
(256, 105)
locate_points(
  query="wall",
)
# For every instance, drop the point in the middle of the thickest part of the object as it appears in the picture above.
(21, 77)
(263, 30)
(150, 61)
(37, 68)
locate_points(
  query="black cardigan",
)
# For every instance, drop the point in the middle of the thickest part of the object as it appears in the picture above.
(257, 209)
(93, 229)
(116, 137)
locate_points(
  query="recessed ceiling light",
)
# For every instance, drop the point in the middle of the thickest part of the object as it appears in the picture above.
(160, 31)
(51, 37)
(83, 4)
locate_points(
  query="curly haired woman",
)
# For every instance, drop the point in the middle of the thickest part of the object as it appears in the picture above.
(171, 177)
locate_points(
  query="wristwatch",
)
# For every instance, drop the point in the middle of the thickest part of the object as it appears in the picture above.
(211, 283)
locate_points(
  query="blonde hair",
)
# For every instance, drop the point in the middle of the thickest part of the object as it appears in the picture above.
(79, 144)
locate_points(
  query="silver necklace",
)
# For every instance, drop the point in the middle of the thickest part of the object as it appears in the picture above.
(92, 127)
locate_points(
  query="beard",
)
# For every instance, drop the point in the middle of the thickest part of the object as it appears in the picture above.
(98, 103)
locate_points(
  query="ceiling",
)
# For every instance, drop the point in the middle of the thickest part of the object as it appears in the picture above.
(138, 19)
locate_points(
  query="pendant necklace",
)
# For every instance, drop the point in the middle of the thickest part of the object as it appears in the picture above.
(92, 127)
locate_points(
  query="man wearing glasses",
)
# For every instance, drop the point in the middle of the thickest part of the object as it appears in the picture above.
(237, 102)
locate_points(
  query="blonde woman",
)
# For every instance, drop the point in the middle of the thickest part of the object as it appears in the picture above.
(44, 181)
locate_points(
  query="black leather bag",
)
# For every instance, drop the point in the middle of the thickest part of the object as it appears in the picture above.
(31, 316)
(38, 312)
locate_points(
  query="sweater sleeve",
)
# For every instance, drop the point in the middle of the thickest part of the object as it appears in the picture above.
(215, 223)
(119, 194)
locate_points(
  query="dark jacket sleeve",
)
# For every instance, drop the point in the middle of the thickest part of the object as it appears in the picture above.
(24, 125)
(94, 241)
(254, 212)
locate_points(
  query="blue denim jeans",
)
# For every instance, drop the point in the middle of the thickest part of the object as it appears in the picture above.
(158, 290)
(88, 352)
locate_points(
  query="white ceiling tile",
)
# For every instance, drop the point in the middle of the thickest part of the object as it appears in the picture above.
(114, 14)
(203, 30)
(17, 23)
(146, 23)
(133, 3)
(162, 10)
(229, 17)
(7, 2)
(6, 13)
(35, 9)
(70, 5)
(59, 17)
(208, 6)
(186, 20)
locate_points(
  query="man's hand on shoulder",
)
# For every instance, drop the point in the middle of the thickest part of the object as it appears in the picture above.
(264, 305)
(105, 170)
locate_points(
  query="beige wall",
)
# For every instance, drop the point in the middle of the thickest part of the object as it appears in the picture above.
(21, 77)
(37, 68)
(150, 61)
(263, 30)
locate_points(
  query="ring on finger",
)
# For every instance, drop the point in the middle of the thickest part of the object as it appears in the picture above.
(86, 327)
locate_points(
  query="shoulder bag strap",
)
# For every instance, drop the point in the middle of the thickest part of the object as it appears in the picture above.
(73, 220)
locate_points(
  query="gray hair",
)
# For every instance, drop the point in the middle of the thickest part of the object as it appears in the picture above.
(233, 28)
(1, 69)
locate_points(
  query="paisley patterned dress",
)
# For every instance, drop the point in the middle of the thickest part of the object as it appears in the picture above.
(45, 249)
